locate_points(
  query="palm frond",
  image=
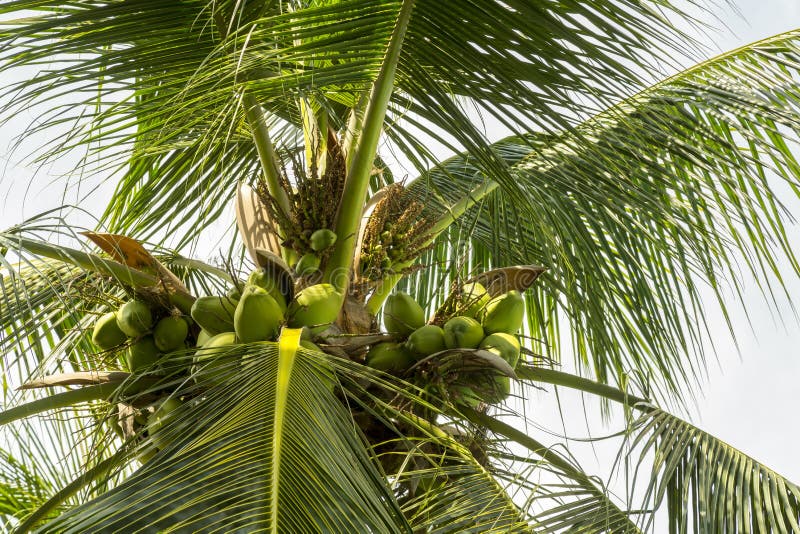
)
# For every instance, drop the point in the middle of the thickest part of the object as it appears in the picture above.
(707, 485)
(643, 205)
(564, 498)
(268, 447)
(154, 89)
(702, 483)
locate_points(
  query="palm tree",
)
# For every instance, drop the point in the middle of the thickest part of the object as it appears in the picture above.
(631, 196)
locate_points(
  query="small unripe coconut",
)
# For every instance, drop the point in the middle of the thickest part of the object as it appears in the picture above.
(474, 298)
(322, 239)
(426, 340)
(504, 345)
(162, 416)
(211, 360)
(402, 314)
(142, 354)
(262, 279)
(106, 333)
(170, 333)
(504, 313)
(134, 318)
(462, 333)
(390, 357)
(315, 306)
(214, 314)
(203, 337)
(258, 317)
(307, 264)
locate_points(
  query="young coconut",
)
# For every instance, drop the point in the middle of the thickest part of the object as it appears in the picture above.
(402, 314)
(504, 313)
(210, 358)
(473, 299)
(170, 333)
(322, 239)
(162, 416)
(214, 314)
(106, 333)
(262, 279)
(426, 340)
(258, 317)
(390, 357)
(315, 306)
(504, 345)
(462, 333)
(307, 264)
(142, 354)
(134, 318)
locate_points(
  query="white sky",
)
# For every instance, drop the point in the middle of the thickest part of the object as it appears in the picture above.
(751, 403)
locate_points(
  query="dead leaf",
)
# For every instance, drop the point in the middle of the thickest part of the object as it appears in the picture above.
(254, 223)
(129, 251)
(79, 378)
(505, 279)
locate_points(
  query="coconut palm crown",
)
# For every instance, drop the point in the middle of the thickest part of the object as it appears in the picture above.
(294, 385)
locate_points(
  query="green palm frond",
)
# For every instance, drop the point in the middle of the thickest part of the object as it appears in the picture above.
(707, 485)
(561, 496)
(702, 483)
(270, 447)
(643, 205)
(21, 490)
(163, 82)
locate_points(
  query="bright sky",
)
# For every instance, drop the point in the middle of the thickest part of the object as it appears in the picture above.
(751, 403)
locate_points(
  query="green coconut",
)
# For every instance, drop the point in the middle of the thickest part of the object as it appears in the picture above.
(390, 357)
(170, 333)
(106, 333)
(504, 345)
(426, 340)
(322, 239)
(214, 314)
(142, 354)
(473, 299)
(134, 318)
(504, 313)
(158, 419)
(262, 279)
(462, 332)
(258, 317)
(307, 264)
(402, 314)
(203, 337)
(234, 293)
(210, 358)
(315, 306)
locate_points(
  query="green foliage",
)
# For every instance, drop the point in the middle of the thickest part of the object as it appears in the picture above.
(632, 203)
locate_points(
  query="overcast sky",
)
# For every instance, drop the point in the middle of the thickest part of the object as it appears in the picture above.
(751, 403)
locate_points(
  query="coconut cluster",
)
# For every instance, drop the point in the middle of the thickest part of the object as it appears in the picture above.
(469, 321)
(147, 331)
(148, 334)
(257, 313)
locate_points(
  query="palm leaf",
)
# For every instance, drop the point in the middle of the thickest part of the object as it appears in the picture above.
(570, 500)
(706, 484)
(641, 206)
(186, 65)
(251, 444)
